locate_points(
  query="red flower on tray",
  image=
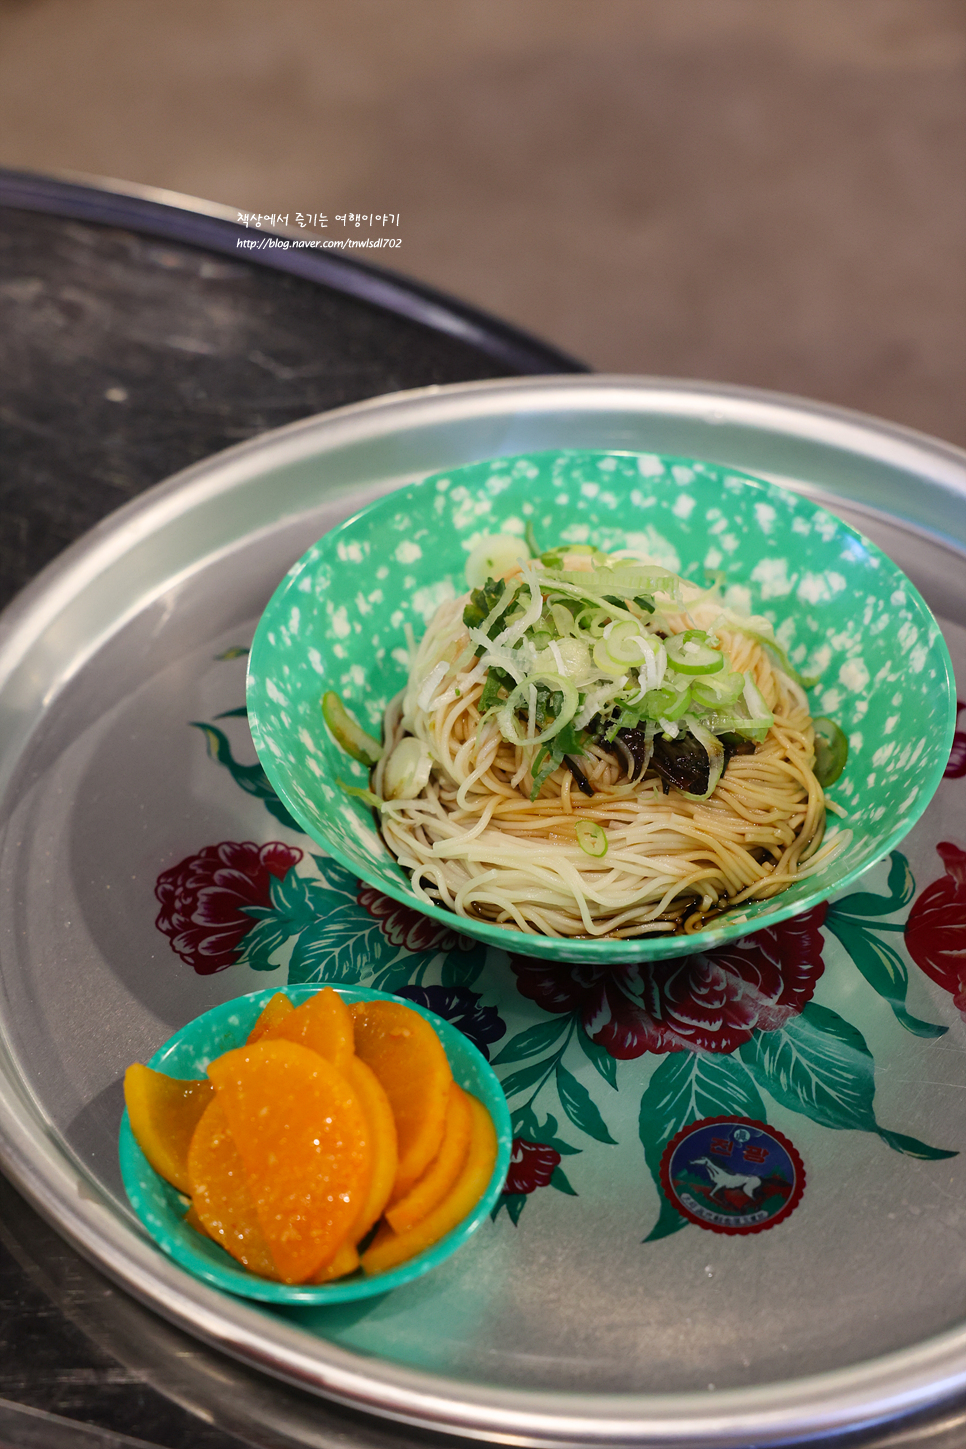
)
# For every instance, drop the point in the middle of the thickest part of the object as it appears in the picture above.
(203, 899)
(402, 926)
(709, 1001)
(936, 929)
(532, 1165)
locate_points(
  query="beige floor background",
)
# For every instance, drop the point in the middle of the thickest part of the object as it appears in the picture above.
(757, 191)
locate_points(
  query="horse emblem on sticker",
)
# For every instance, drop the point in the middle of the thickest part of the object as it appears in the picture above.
(732, 1175)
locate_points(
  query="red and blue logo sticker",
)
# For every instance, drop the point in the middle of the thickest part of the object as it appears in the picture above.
(732, 1175)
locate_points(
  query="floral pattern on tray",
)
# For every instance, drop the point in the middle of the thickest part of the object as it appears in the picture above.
(730, 1028)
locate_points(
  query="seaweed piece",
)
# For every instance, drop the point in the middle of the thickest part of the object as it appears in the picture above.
(583, 784)
(736, 745)
(635, 743)
(684, 762)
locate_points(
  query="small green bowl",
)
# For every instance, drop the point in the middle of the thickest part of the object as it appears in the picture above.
(161, 1207)
(842, 609)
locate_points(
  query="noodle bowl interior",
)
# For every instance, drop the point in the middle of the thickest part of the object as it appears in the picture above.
(590, 746)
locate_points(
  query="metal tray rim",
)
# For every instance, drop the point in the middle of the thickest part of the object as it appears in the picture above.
(897, 1384)
(943, 463)
(926, 1374)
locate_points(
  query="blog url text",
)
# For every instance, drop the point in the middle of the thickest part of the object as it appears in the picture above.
(263, 243)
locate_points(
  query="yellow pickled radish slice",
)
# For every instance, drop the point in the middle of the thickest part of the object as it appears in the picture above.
(345, 1261)
(385, 1155)
(322, 1023)
(192, 1220)
(305, 1145)
(442, 1172)
(220, 1195)
(408, 1058)
(389, 1249)
(275, 1010)
(164, 1112)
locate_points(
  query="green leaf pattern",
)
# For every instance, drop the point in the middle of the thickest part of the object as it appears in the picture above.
(819, 1064)
(600, 1059)
(534, 1041)
(880, 963)
(250, 778)
(579, 1106)
(686, 1087)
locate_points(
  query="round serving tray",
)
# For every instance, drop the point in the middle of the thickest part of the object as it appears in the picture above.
(125, 776)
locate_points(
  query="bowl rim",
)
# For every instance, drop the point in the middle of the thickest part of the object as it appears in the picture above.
(144, 1185)
(574, 948)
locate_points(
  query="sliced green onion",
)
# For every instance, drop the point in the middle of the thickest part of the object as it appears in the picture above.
(627, 642)
(690, 653)
(604, 661)
(566, 584)
(831, 751)
(666, 703)
(739, 724)
(760, 718)
(564, 620)
(772, 647)
(540, 638)
(715, 690)
(624, 578)
(407, 769)
(347, 733)
(624, 646)
(520, 700)
(366, 796)
(592, 838)
(593, 620)
(531, 539)
(569, 657)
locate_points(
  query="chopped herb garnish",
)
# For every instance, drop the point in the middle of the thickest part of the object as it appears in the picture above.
(549, 705)
(551, 756)
(482, 603)
(497, 682)
(543, 767)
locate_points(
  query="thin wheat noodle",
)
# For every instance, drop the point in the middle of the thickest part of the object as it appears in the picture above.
(476, 843)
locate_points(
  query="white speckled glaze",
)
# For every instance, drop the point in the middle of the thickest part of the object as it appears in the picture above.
(840, 607)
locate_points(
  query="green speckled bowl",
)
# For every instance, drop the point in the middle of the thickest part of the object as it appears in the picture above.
(161, 1207)
(840, 606)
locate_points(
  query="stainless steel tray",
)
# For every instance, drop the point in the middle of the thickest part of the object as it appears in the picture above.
(563, 1328)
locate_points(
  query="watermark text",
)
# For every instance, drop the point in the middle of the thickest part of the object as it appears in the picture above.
(282, 243)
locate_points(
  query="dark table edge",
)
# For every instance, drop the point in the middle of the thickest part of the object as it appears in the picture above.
(207, 226)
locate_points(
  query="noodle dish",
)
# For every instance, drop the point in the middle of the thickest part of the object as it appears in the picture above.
(600, 703)
(588, 745)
